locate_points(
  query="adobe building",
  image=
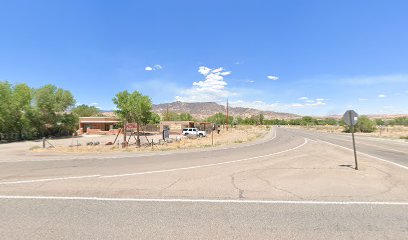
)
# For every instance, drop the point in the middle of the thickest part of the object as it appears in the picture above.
(175, 127)
(97, 125)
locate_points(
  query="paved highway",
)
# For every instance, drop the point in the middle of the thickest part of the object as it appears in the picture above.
(394, 151)
(294, 185)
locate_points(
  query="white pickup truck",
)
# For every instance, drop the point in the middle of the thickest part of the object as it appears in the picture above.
(194, 131)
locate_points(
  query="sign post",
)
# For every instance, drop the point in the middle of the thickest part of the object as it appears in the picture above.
(350, 117)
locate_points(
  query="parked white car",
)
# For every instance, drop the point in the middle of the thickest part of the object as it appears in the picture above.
(194, 131)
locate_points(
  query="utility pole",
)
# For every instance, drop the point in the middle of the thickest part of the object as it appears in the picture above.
(167, 113)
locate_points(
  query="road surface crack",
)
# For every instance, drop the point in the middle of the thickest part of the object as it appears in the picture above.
(240, 191)
(169, 186)
(276, 187)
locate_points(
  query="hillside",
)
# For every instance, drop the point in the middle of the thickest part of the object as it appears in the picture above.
(202, 110)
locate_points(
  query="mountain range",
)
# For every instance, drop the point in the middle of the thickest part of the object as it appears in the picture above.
(203, 110)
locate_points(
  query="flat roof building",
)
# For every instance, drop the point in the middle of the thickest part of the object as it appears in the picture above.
(97, 125)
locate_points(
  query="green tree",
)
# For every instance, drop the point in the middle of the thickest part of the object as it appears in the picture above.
(26, 113)
(308, 121)
(86, 111)
(403, 121)
(133, 107)
(261, 119)
(364, 124)
(220, 119)
(170, 116)
(379, 122)
(51, 104)
(6, 94)
(20, 108)
(154, 118)
(185, 117)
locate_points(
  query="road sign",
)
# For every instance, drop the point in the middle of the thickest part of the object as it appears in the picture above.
(350, 117)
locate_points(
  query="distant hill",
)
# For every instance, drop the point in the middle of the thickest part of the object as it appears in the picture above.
(203, 110)
(374, 116)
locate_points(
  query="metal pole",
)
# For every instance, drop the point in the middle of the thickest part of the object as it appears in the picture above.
(354, 142)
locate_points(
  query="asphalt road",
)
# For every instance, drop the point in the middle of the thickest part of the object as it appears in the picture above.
(394, 151)
(50, 219)
(292, 186)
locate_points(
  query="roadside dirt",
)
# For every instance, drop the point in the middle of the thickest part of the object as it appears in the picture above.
(236, 135)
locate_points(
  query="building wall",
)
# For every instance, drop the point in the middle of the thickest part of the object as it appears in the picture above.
(94, 125)
(176, 127)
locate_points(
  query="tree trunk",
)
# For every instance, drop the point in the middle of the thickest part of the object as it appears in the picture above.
(124, 144)
(137, 137)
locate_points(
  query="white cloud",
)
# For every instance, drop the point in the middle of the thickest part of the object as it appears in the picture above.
(362, 99)
(94, 104)
(249, 81)
(273, 78)
(260, 105)
(157, 67)
(212, 89)
(309, 103)
(239, 62)
(316, 104)
(217, 70)
(154, 67)
(382, 96)
(204, 70)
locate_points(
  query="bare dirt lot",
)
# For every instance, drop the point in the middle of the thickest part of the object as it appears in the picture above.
(78, 145)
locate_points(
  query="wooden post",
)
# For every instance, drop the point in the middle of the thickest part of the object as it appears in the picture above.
(137, 137)
(124, 135)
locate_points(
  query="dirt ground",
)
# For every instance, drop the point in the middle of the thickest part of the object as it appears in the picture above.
(392, 132)
(236, 135)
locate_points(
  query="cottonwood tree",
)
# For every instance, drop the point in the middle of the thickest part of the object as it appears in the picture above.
(86, 111)
(51, 105)
(27, 113)
(133, 107)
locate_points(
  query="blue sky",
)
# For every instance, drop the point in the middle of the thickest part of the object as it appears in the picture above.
(305, 57)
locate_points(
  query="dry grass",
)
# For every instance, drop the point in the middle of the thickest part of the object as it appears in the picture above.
(239, 134)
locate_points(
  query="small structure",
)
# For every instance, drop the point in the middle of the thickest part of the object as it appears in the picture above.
(204, 126)
(175, 127)
(97, 125)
